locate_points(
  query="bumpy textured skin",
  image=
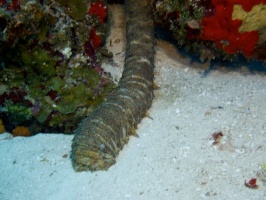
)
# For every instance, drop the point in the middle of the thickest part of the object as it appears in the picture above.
(101, 136)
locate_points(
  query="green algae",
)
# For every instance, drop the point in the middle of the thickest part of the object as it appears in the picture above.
(77, 9)
(17, 112)
(55, 83)
(39, 61)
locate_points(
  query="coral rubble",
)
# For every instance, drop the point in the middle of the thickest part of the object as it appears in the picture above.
(50, 74)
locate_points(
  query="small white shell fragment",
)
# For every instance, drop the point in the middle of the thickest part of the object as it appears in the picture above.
(67, 52)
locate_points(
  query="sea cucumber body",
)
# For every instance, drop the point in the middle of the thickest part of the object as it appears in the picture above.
(101, 136)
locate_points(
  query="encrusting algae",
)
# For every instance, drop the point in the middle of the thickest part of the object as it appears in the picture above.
(252, 20)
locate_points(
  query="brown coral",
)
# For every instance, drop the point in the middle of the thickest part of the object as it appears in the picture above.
(21, 131)
(2, 127)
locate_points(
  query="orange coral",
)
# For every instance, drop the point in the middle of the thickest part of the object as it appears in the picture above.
(21, 131)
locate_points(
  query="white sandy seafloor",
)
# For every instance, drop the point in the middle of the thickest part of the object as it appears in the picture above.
(173, 158)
